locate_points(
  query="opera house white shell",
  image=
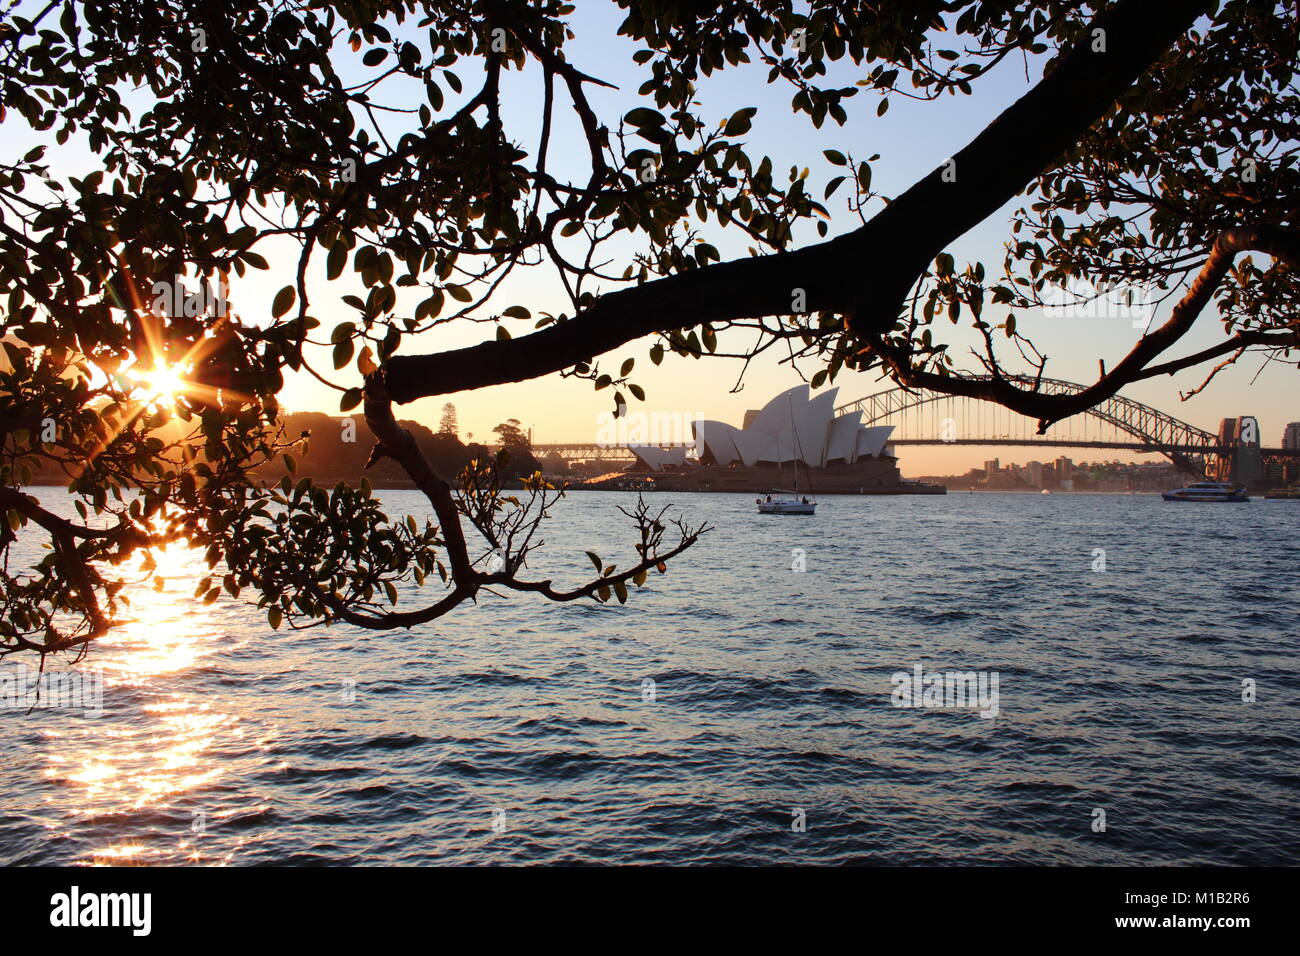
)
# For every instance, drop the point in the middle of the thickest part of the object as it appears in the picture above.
(793, 426)
(655, 458)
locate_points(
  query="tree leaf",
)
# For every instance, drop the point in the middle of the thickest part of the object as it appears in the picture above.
(336, 260)
(643, 116)
(739, 124)
(366, 362)
(284, 300)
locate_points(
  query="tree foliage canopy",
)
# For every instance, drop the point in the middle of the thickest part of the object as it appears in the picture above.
(187, 143)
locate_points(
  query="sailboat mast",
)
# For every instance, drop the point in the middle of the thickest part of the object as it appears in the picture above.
(794, 433)
(798, 445)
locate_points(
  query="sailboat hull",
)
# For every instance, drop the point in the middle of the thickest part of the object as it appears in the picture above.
(786, 508)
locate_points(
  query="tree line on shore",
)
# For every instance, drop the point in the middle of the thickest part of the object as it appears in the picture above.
(339, 447)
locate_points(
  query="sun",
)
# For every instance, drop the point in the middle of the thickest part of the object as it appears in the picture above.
(162, 384)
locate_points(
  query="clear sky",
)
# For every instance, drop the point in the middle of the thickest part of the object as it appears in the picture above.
(911, 138)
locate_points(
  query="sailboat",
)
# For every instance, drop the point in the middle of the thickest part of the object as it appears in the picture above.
(793, 503)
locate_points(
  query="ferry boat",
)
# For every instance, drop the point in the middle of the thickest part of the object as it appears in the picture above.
(1206, 491)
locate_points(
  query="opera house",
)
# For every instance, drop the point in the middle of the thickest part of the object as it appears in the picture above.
(834, 454)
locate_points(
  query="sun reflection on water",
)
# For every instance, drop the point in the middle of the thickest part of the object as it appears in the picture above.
(164, 751)
(167, 628)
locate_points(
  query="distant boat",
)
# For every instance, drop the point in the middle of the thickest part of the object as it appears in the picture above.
(1046, 492)
(1293, 492)
(792, 504)
(1207, 491)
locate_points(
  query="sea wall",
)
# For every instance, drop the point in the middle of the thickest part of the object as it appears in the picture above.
(867, 476)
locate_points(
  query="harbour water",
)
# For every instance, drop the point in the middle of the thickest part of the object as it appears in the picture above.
(737, 710)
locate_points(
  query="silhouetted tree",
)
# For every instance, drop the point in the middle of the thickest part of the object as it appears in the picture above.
(511, 435)
(449, 425)
(1157, 148)
(519, 461)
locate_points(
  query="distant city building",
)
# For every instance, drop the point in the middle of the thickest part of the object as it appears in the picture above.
(1035, 469)
(1064, 468)
(992, 467)
(1291, 436)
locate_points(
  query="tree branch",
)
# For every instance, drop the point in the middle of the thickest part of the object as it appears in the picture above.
(866, 273)
(1048, 409)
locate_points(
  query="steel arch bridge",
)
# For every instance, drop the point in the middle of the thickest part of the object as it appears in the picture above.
(1140, 427)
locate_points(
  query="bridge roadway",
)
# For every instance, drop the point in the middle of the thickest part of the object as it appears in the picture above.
(1150, 431)
(572, 450)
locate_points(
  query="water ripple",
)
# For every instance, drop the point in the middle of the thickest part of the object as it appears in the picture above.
(735, 712)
